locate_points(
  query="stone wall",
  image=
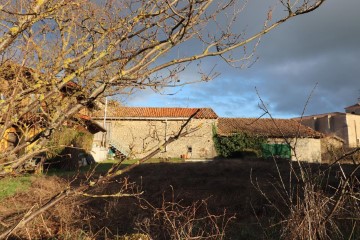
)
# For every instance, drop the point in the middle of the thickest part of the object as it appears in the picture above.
(331, 147)
(353, 123)
(141, 136)
(330, 143)
(306, 149)
(329, 124)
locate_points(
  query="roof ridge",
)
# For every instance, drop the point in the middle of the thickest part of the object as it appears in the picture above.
(162, 107)
(290, 119)
(269, 127)
(157, 112)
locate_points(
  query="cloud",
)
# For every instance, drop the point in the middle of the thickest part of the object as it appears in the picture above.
(317, 49)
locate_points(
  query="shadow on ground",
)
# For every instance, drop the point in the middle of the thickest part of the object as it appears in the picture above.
(226, 184)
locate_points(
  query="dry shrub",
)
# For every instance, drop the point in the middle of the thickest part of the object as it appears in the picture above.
(174, 220)
(321, 215)
(60, 222)
(343, 155)
(328, 203)
(318, 206)
(136, 236)
(308, 217)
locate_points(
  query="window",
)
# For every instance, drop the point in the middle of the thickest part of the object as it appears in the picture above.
(189, 149)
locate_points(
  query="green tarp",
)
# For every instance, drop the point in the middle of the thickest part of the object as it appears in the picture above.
(276, 150)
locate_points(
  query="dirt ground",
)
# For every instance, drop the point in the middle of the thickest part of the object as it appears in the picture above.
(226, 185)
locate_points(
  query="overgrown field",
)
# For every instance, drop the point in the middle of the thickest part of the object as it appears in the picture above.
(247, 198)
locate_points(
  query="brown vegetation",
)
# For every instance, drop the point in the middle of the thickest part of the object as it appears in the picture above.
(224, 184)
(64, 218)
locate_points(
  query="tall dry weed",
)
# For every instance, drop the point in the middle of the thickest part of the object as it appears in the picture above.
(323, 204)
(61, 222)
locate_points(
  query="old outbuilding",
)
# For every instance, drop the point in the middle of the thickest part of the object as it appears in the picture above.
(285, 138)
(136, 131)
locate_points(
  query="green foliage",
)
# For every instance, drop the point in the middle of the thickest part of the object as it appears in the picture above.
(228, 146)
(276, 150)
(69, 137)
(10, 186)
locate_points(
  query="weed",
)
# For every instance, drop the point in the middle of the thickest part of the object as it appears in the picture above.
(11, 186)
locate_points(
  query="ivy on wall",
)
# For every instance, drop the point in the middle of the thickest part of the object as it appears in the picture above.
(69, 137)
(238, 143)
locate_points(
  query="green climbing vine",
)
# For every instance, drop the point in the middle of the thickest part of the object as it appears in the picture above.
(69, 137)
(236, 144)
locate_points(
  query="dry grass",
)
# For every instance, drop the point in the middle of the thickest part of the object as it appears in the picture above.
(62, 221)
(226, 184)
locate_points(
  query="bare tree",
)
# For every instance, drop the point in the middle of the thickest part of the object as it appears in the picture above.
(57, 57)
(84, 189)
(175, 220)
(309, 203)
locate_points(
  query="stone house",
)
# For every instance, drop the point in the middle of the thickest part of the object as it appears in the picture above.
(345, 126)
(294, 140)
(353, 109)
(136, 131)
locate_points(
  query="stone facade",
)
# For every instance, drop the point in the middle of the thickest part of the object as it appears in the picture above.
(343, 125)
(353, 123)
(138, 137)
(305, 143)
(136, 132)
(302, 149)
(306, 149)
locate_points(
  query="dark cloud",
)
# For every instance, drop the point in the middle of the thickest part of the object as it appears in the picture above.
(318, 49)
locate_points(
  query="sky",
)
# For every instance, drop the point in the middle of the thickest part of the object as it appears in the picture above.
(314, 56)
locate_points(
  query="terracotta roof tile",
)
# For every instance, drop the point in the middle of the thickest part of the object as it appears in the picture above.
(148, 112)
(265, 127)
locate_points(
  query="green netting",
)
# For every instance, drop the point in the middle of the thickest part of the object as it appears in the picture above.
(276, 150)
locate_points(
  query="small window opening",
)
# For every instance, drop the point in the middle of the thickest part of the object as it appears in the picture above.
(189, 148)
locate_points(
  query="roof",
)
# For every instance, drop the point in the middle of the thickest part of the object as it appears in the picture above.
(266, 127)
(357, 105)
(150, 112)
(92, 126)
(331, 114)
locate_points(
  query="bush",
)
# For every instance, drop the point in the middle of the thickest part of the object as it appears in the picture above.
(69, 137)
(238, 145)
(69, 145)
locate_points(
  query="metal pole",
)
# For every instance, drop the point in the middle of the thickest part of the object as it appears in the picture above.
(105, 112)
